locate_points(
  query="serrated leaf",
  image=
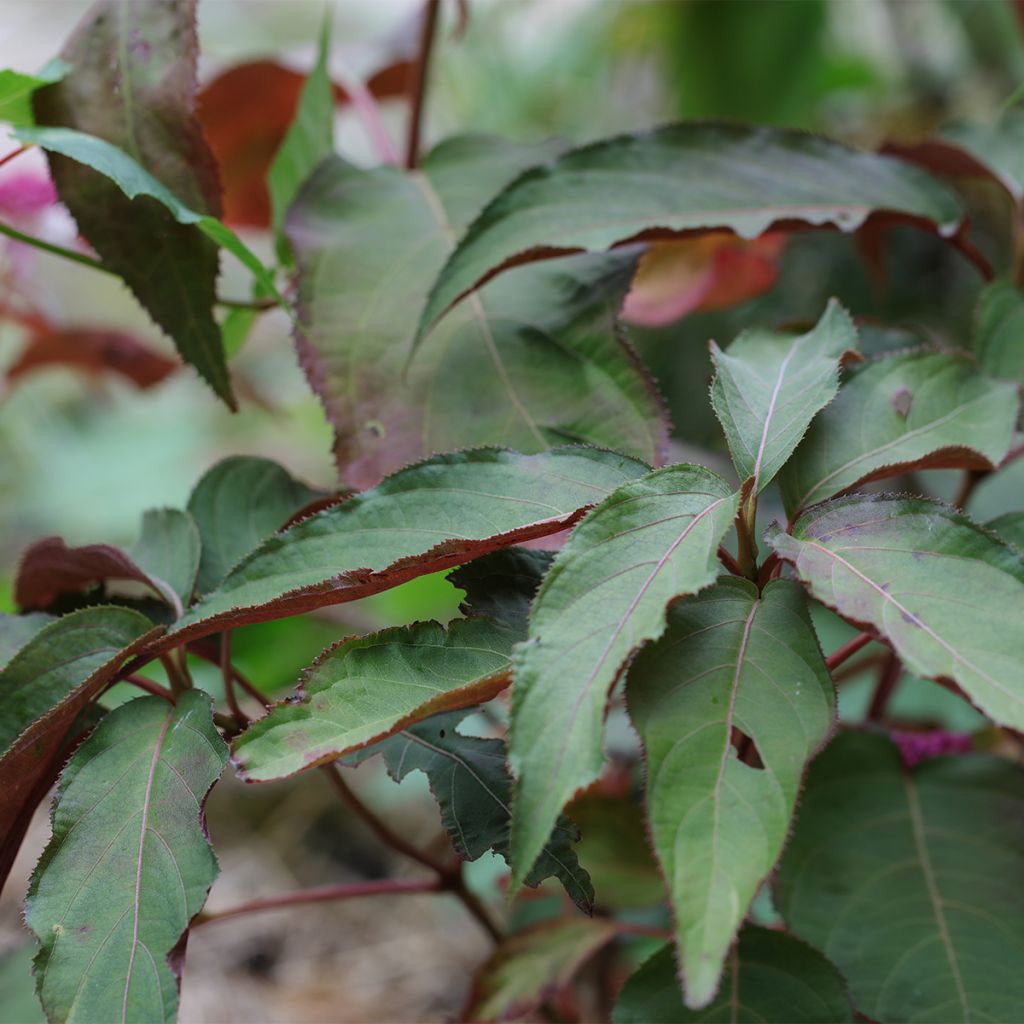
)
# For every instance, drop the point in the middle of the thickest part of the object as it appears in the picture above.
(541, 348)
(534, 965)
(132, 83)
(168, 551)
(613, 849)
(239, 502)
(17, 630)
(729, 660)
(946, 594)
(907, 880)
(309, 139)
(1011, 528)
(769, 387)
(650, 541)
(502, 585)
(366, 688)
(44, 688)
(430, 516)
(998, 329)
(129, 864)
(683, 179)
(905, 411)
(17, 88)
(471, 783)
(771, 978)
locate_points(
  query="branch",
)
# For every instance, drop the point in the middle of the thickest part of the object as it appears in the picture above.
(322, 894)
(149, 686)
(228, 675)
(847, 650)
(418, 86)
(890, 675)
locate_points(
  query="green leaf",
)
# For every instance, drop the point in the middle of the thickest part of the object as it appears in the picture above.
(910, 410)
(62, 656)
(239, 502)
(471, 783)
(650, 541)
(502, 585)
(678, 180)
(771, 978)
(613, 849)
(907, 880)
(433, 515)
(309, 139)
(534, 361)
(167, 551)
(135, 181)
(17, 630)
(998, 329)
(17, 88)
(768, 387)
(1011, 528)
(45, 688)
(534, 965)
(366, 688)
(132, 84)
(945, 593)
(129, 864)
(730, 662)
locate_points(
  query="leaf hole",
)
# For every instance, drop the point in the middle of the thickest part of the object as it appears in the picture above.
(746, 749)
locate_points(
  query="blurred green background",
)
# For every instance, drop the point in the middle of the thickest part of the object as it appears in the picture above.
(83, 456)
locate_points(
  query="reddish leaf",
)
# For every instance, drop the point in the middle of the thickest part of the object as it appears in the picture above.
(715, 271)
(94, 351)
(245, 113)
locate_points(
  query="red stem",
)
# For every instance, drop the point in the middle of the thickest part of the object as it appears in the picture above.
(847, 650)
(890, 676)
(418, 87)
(728, 561)
(150, 687)
(323, 894)
(228, 675)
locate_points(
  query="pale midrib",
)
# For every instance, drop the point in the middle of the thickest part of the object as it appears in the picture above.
(903, 609)
(726, 747)
(146, 804)
(771, 412)
(917, 825)
(441, 217)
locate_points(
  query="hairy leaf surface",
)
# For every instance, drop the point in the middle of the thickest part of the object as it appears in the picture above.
(650, 541)
(999, 331)
(771, 978)
(132, 83)
(1011, 528)
(534, 965)
(768, 387)
(729, 660)
(905, 411)
(239, 502)
(947, 594)
(532, 362)
(678, 180)
(433, 515)
(908, 880)
(471, 783)
(366, 688)
(17, 630)
(502, 585)
(168, 552)
(129, 864)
